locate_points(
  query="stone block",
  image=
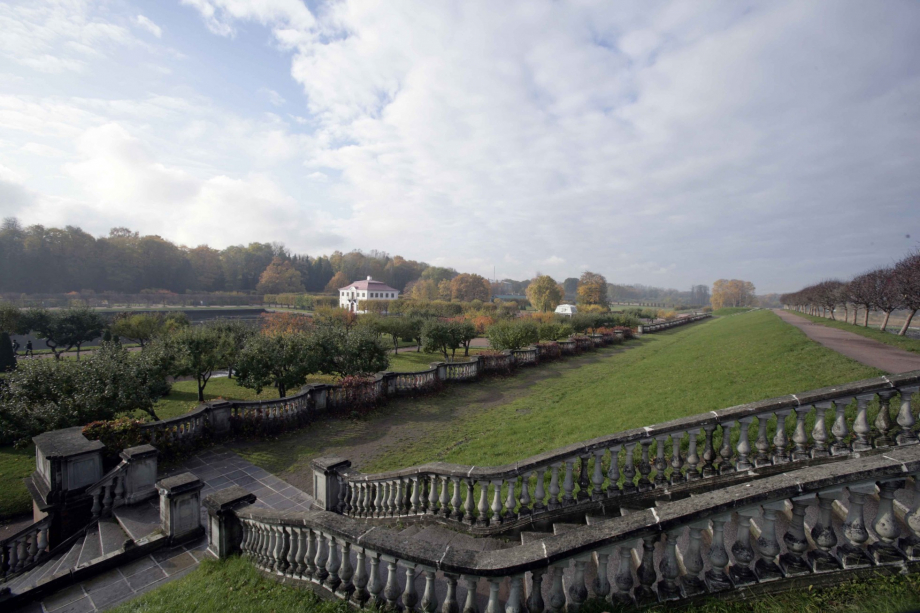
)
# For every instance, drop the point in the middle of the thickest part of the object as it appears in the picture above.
(219, 417)
(140, 473)
(180, 506)
(226, 530)
(326, 482)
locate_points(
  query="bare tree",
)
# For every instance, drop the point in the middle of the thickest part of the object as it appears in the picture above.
(884, 293)
(861, 294)
(907, 280)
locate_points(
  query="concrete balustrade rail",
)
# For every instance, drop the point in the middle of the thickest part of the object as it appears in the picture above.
(666, 325)
(833, 520)
(617, 466)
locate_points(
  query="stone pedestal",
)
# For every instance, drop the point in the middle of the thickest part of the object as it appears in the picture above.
(180, 507)
(326, 482)
(226, 531)
(219, 417)
(140, 473)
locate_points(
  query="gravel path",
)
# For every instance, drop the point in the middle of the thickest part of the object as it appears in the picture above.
(856, 347)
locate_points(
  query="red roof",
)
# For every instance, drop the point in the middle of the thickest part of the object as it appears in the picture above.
(369, 285)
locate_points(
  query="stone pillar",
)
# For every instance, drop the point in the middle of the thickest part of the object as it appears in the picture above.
(140, 473)
(326, 482)
(219, 413)
(226, 531)
(180, 507)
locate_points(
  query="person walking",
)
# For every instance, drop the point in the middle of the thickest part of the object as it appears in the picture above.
(15, 348)
(29, 351)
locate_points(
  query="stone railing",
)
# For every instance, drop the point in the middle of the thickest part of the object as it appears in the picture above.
(132, 481)
(812, 524)
(568, 347)
(463, 371)
(624, 465)
(526, 357)
(665, 325)
(24, 549)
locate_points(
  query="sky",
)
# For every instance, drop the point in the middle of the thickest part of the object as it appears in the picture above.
(662, 143)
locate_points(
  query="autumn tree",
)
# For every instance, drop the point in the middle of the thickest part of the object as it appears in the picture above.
(861, 293)
(732, 293)
(423, 289)
(284, 323)
(544, 293)
(337, 282)
(592, 289)
(883, 288)
(66, 329)
(907, 279)
(444, 290)
(468, 287)
(200, 350)
(278, 360)
(279, 277)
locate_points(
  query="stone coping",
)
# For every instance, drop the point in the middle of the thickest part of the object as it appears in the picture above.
(788, 403)
(896, 464)
(180, 484)
(65, 442)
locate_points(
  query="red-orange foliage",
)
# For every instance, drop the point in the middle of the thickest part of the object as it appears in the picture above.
(284, 323)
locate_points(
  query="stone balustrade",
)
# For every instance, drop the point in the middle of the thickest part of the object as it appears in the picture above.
(757, 438)
(24, 549)
(665, 325)
(805, 523)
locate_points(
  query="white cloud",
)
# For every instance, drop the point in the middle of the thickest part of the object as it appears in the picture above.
(43, 150)
(318, 177)
(146, 24)
(274, 97)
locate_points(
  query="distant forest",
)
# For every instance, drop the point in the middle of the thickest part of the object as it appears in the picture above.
(36, 259)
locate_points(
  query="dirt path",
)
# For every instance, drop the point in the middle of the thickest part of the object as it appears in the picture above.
(399, 423)
(856, 347)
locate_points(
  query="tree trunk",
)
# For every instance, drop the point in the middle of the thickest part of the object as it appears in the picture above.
(282, 392)
(200, 389)
(855, 315)
(906, 325)
(885, 321)
(396, 345)
(866, 319)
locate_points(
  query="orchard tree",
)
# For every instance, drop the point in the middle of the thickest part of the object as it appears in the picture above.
(861, 293)
(282, 361)
(11, 322)
(236, 334)
(445, 337)
(63, 330)
(732, 293)
(395, 328)
(511, 335)
(468, 287)
(280, 277)
(337, 282)
(200, 350)
(544, 293)
(347, 353)
(907, 280)
(139, 327)
(592, 289)
(886, 296)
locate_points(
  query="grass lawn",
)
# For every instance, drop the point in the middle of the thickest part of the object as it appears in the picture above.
(184, 396)
(235, 585)
(15, 465)
(901, 342)
(410, 360)
(731, 311)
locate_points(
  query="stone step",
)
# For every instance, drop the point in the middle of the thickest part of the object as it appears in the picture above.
(411, 530)
(530, 537)
(92, 546)
(139, 520)
(25, 581)
(593, 520)
(111, 536)
(559, 528)
(70, 559)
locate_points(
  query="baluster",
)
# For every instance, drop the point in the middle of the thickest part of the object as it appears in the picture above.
(661, 464)
(578, 591)
(409, 596)
(645, 467)
(744, 445)
(282, 545)
(910, 544)
(294, 541)
(97, 505)
(469, 502)
(853, 553)
(493, 606)
(445, 497)
(597, 477)
(346, 572)
(742, 551)
(510, 501)
(433, 508)
(822, 533)
(601, 585)
(525, 495)
(613, 473)
(388, 495)
(424, 492)
(839, 429)
(107, 501)
(669, 586)
(624, 579)
(120, 486)
(320, 560)
(906, 421)
(554, 487)
(883, 420)
(42, 537)
(629, 469)
(450, 605)
(340, 506)
(780, 453)
(515, 603)
(391, 591)
(885, 550)
(31, 547)
(568, 484)
(539, 495)
(693, 561)
(457, 510)
(793, 561)
(535, 600)
(583, 482)
(819, 432)
(360, 594)
(429, 602)
(693, 458)
(556, 591)
(347, 494)
(716, 577)
(378, 500)
(646, 572)
(861, 428)
(483, 504)
(762, 444)
(799, 437)
(766, 567)
(677, 463)
(375, 585)
(497, 501)
(416, 507)
(470, 606)
(398, 494)
(726, 452)
(309, 557)
(332, 565)
(709, 453)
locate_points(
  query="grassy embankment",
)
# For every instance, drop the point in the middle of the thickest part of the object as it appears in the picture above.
(901, 342)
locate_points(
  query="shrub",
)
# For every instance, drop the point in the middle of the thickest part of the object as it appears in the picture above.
(554, 331)
(510, 335)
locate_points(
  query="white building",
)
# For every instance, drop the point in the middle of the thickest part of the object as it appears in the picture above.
(351, 295)
(567, 309)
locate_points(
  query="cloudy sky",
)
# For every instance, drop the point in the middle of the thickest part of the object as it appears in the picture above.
(658, 143)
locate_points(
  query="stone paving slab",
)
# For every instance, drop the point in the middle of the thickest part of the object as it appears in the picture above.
(218, 468)
(864, 350)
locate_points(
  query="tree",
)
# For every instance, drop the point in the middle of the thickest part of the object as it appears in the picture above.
(63, 330)
(415, 327)
(284, 323)
(592, 289)
(237, 334)
(907, 279)
(200, 350)
(445, 337)
(886, 296)
(337, 282)
(444, 290)
(396, 328)
(732, 293)
(570, 286)
(10, 323)
(544, 293)
(139, 327)
(862, 294)
(348, 353)
(512, 335)
(554, 331)
(279, 277)
(468, 287)
(282, 361)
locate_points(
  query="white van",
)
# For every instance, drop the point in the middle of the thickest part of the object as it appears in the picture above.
(566, 309)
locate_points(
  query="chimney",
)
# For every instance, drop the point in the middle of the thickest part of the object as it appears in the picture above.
(369, 278)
